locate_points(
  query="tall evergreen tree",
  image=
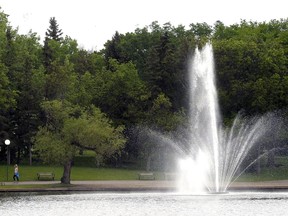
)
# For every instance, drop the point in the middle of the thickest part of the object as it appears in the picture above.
(59, 70)
(52, 33)
(162, 67)
(114, 50)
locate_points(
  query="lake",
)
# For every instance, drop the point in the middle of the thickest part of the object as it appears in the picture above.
(108, 203)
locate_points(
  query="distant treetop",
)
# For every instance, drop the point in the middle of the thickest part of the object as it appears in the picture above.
(53, 32)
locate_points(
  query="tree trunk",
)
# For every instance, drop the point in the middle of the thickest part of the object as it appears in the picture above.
(8, 156)
(30, 154)
(18, 155)
(148, 164)
(67, 172)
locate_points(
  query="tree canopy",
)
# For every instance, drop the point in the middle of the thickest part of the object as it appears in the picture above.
(69, 129)
(60, 97)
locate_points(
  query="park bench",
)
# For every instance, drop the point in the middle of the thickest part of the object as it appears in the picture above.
(170, 176)
(45, 175)
(146, 176)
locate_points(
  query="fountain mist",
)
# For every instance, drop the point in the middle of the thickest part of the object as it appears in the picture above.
(215, 153)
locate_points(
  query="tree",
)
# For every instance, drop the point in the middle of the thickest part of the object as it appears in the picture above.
(7, 97)
(27, 73)
(249, 58)
(60, 81)
(113, 50)
(121, 93)
(160, 54)
(201, 30)
(85, 61)
(160, 123)
(53, 33)
(60, 74)
(7, 93)
(69, 129)
(161, 68)
(7, 101)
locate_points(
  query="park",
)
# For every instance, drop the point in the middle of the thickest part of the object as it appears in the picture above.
(161, 119)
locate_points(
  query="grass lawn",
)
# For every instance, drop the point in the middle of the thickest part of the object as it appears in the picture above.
(84, 169)
(29, 173)
(88, 172)
(269, 174)
(38, 186)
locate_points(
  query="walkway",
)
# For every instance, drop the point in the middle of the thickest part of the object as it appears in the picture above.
(135, 185)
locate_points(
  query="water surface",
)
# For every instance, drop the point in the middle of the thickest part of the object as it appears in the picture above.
(86, 204)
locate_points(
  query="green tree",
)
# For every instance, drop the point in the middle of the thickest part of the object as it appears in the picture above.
(7, 93)
(251, 62)
(247, 56)
(60, 75)
(112, 49)
(27, 73)
(121, 93)
(161, 68)
(161, 122)
(85, 61)
(69, 129)
(8, 84)
(52, 33)
(202, 32)
(60, 81)
(160, 54)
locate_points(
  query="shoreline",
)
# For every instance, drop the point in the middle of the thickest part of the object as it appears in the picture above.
(131, 186)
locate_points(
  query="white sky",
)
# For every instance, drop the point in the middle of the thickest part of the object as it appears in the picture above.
(93, 22)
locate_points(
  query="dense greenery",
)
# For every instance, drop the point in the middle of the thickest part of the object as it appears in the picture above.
(62, 98)
(69, 129)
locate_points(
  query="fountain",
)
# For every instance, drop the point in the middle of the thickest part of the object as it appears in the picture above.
(211, 162)
(215, 153)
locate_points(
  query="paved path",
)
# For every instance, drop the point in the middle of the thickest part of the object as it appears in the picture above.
(135, 185)
(280, 184)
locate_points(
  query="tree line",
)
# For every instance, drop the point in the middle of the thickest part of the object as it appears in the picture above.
(58, 99)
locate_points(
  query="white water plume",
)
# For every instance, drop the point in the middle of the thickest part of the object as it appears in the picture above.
(212, 156)
(224, 149)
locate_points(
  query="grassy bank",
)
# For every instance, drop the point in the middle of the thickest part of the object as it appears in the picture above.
(29, 173)
(80, 172)
(280, 172)
(33, 186)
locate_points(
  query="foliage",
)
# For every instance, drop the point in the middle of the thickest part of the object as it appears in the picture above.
(7, 95)
(53, 32)
(139, 78)
(70, 129)
(121, 93)
(252, 66)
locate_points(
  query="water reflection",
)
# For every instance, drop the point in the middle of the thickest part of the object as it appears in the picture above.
(87, 204)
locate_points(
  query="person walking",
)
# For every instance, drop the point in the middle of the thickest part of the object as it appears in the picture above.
(16, 173)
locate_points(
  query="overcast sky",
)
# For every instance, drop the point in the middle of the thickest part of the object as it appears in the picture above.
(93, 22)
